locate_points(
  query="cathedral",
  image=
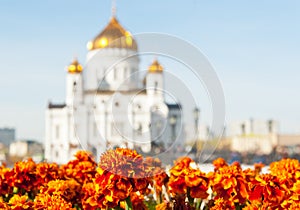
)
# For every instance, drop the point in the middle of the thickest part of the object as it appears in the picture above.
(111, 103)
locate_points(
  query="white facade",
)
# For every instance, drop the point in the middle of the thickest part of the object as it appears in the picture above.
(26, 148)
(107, 105)
(258, 144)
(252, 126)
(253, 136)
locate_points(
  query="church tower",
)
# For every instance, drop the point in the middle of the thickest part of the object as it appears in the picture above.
(74, 87)
(61, 141)
(154, 79)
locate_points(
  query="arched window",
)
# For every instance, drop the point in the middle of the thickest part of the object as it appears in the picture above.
(57, 131)
(95, 129)
(115, 72)
(140, 129)
(155, 85)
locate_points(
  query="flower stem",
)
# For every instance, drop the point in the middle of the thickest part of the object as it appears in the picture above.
(191, 200)
(128, 204)
(198, 203)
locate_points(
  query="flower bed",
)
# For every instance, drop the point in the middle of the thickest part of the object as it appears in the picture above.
(123, 179)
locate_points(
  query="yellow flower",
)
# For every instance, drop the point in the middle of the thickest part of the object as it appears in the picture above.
(18, 202)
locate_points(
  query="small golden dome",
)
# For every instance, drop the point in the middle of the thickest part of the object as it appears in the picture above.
(75, 67)
(155, 67)
(113, 36)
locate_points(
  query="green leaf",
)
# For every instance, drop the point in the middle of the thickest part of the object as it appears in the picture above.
(128, 204)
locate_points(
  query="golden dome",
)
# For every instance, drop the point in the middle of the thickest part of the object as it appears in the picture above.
(75, 67)
(155, 67)
(113, 36)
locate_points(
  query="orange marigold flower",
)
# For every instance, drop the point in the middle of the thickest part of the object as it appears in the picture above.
(221, 204)
(46, 172)
(163, 206)
(159, 176)
(160, 179)
(294, 205)
(153, 162)
(237, 164)
(3, 204)
(268, 190)
(251, 207)
(229, 183)
(88, 198)
(111, 189)
(120, 172)
(84, 156)
(258, 167)
(292, 200)
(250, 172)
(5, 180)
(67, 189)
(23, 175)
(181, 164)
(123, 162)
(18, 202)
(82, 168)
(51, 202)
(185, 177)
(137, 202)
(219, 163)
(287, 170)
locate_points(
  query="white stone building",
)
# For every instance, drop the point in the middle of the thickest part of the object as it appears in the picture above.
(110, 104)
(253, 136)
(252, 126)
(27, 148)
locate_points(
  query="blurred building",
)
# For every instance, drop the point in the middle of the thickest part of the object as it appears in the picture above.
(26, 148)
(202, 134)
(109, 105)
(252, 126)
(285, 140)
(3, 152)
(289, 145)
(253, 136)
(7, 136)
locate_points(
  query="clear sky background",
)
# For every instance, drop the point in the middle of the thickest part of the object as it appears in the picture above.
(254, 46)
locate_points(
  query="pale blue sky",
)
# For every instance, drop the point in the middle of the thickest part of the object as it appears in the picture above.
(254, 46)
